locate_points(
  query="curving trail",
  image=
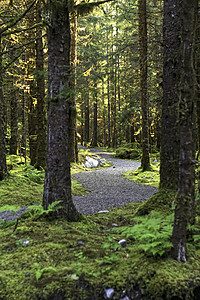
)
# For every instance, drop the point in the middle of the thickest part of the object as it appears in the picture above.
(108, 187)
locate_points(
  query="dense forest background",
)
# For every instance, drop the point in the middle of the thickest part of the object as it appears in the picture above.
(105, 53)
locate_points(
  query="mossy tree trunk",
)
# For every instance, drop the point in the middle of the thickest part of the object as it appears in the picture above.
(145, 162)
(57, 179)
(3, 166)
(169, 154)
(186, 119)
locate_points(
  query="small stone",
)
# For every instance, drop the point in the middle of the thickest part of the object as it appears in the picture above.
(27, 275)
(114, 225)
(109, 293)
(103, 211)
(24, 242)
(123, 243)
(80, 243)
(155, 160)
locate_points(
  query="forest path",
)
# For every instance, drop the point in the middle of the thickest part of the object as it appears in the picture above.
(108, 186)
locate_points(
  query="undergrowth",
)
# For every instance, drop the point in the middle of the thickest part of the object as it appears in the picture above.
(42, 256)
(46, 255)
(150, 177)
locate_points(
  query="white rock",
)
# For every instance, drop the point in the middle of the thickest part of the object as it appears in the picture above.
(109, 293)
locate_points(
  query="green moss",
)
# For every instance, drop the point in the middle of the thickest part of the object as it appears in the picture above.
(126, 153)
(161, 201)
(150, 177)
(52, 261)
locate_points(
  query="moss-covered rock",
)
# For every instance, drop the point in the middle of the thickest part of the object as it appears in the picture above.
(161, 201)
(126, 153)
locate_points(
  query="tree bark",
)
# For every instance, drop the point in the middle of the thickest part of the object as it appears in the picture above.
(57, 179)
(170, 142)
(145, 162)
(186, 118)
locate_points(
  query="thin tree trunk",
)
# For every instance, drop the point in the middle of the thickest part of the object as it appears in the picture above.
(87, 118)
(24, 133)
(108, 97)
(3, 165)
(57, 178)
(41, 150)
(145, 162)
(104, 116)
(95, 107)
(13, 120)
(73, 139)
(32, 112)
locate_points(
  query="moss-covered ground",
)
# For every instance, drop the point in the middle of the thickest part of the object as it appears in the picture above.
(78, 260)
(150, 177)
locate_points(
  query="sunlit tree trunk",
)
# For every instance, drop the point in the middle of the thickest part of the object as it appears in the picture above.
(186, 119)
(145, 162)
(57, 178)
(73, 139)
(3, 166)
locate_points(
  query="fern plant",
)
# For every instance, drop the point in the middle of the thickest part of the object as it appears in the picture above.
(35, 211)
(153, 233)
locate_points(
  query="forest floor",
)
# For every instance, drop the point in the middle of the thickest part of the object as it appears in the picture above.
(122, 254)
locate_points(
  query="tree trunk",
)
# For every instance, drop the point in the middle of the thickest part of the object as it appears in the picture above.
(108, 97)
(87, 118)
(32, 95)
(145, 162)
(94, 138)
(13, 120)
(57, 179)
(41, 150)
(169, 155)
(73, 139)
(24, 131)
(3, 165)
(186, 118)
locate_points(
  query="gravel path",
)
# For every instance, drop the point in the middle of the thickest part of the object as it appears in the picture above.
(108, 188)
